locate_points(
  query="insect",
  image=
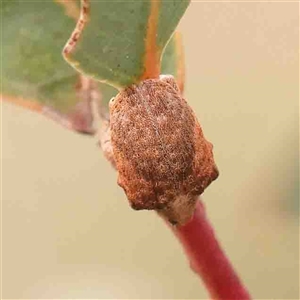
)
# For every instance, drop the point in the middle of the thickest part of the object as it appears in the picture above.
(162, 157)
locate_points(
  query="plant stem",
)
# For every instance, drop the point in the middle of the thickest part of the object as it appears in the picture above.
(207, 258)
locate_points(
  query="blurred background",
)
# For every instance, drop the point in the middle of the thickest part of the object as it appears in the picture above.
(67, 229)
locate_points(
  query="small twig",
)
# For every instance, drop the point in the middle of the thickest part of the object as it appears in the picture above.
(207, 258)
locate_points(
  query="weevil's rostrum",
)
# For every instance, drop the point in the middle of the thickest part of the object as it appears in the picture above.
(163, 160)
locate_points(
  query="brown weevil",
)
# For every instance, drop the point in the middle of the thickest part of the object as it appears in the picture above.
(163, 159)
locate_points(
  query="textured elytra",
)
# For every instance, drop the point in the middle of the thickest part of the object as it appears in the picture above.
(163, 160)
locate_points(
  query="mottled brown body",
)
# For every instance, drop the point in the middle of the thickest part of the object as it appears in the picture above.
(163, 159)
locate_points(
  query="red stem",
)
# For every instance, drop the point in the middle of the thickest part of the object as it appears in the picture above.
(207, 258)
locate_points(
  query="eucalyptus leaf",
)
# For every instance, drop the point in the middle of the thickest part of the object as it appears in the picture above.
(172, 64)
(32, 67)
(34, 73)
(121, 42)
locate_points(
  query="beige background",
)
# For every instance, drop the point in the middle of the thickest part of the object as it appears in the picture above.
(67, 228)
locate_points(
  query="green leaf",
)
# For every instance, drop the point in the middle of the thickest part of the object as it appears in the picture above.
(121, 42)
(32, 66)
(172, 64)
(34, 73)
